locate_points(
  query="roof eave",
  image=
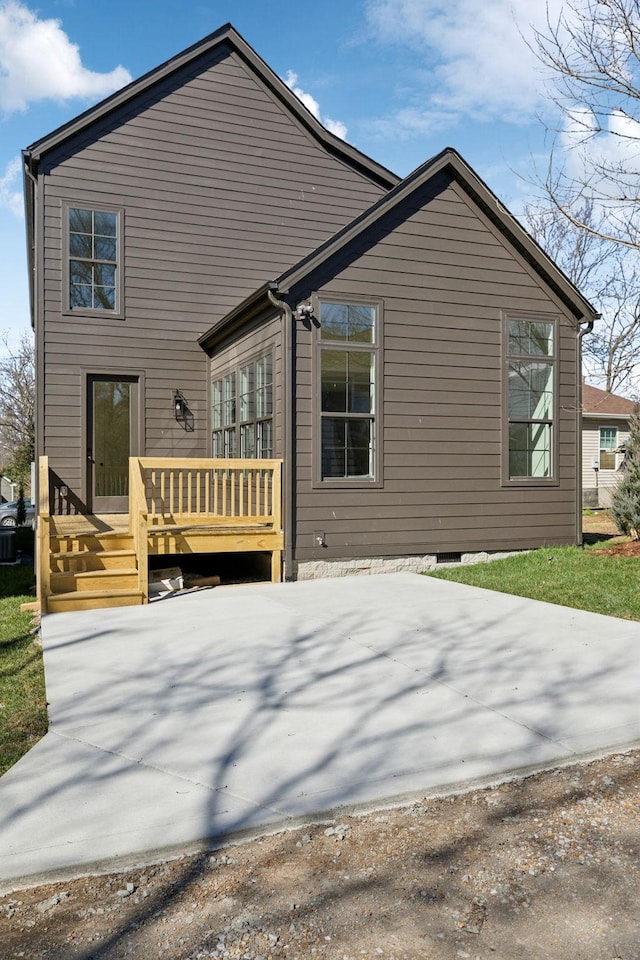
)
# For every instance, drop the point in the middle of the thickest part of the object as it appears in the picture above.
(250, 307)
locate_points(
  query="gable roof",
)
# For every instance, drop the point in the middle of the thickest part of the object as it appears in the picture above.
(599, 403)
(449, 161)
(225, 35)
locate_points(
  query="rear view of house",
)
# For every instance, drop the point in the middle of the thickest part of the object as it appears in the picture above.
(243, 323)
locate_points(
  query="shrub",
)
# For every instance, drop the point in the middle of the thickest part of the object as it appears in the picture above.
(625, 502)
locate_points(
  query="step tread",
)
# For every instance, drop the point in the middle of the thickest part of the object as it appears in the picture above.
(61, 554)
(112, 572)
(95, 594)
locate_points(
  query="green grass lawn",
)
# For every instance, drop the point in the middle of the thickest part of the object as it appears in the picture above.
(569, 576)
(23, 708)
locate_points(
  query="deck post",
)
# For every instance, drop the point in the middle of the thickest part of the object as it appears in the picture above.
(43, 536)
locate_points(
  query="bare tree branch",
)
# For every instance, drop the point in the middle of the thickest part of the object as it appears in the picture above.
(17, 406)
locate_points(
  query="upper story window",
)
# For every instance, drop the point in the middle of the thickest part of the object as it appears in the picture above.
(93, 241)
(531, 362)
(348, 377)
(608, 447)
(242, 411)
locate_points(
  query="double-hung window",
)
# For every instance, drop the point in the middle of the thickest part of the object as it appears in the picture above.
(348, 375)
(608, 447)
(531, 363)
(93, 270)
(242, 411)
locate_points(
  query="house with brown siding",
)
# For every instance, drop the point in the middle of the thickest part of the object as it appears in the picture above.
(252, 337)
(605, 430)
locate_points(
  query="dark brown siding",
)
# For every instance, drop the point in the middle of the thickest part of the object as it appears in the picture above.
(221, 189)
(445, 276)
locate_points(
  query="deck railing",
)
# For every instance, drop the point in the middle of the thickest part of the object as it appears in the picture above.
(204, 490)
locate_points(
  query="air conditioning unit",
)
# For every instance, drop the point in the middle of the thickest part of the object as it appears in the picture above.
(7, 546)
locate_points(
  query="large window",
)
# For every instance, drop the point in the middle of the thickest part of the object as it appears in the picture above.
(93, 251)
(242, 411)
(347, 376)
(608, 447)
(530, 398)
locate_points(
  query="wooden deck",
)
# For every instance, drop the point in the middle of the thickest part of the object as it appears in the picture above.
(176, 506)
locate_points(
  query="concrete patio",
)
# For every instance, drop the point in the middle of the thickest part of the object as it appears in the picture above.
(244, 709)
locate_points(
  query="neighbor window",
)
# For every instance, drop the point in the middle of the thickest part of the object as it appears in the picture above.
(608, 447)
(93, 242)
(530, 398)
(347, 376)
(242, 411)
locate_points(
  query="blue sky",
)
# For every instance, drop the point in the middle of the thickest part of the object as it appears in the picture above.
(400, 79)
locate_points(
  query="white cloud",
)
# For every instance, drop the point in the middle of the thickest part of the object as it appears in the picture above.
(11, 189)
(476, 62)
(337, 127)
(39, 62)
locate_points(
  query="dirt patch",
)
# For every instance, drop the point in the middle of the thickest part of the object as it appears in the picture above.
(544, 867)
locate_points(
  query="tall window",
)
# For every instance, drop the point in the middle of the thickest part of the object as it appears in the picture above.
(608, 447)
(242, 411)
(530, 400)
(347, 390)
(93, 259)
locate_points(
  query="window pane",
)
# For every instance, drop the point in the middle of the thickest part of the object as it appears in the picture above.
(529, 450)
(80, 295)
(229, 406)
(104, 248)
(264, 387)
(104, 223)
(80, 272)
(607, 460)
(104, 298)
(265, 439)
(80, 221)
(216, 404)
(347, 381)
(347, 448)
(533, 337)
(80, 245)
(111, 444)
(347, 322)
(360, 379)
(608, 438)
(248, 440)
(246, 392)
(104, 274)
(334, 381)
(217, 444)
(530, 390)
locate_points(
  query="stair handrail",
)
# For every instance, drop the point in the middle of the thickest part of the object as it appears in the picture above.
(43, 536)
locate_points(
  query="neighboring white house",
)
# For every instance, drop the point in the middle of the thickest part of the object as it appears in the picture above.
(605, 428)
(8, 489)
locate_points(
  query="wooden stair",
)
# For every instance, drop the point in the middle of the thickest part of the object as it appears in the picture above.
(91, 570)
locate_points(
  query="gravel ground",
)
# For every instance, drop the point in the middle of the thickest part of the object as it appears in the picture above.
(543, 867)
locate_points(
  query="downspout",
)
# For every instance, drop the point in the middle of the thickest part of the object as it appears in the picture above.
(586, 327)
(289, 438)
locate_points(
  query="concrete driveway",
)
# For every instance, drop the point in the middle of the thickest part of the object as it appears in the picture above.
(242, 709)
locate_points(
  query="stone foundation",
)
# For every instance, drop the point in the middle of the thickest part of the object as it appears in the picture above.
(319, 569)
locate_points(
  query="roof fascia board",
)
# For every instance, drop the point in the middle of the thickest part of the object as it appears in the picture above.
(448, 159)
(225, 34)
(603, 415)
